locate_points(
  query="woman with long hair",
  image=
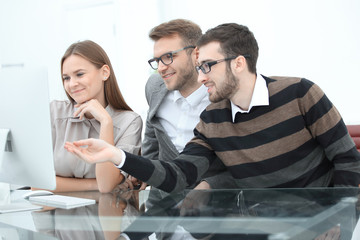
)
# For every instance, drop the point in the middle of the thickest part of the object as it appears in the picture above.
(95, 109)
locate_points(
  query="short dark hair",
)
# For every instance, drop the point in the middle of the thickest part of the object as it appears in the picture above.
(234, 40)
(188, 31)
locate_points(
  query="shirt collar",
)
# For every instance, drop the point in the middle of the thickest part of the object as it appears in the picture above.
(194, 98)
(260, 97)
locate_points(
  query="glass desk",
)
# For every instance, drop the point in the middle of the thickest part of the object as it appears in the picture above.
(275, 214)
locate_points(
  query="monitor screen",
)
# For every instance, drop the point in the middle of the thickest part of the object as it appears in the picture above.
(26, 153)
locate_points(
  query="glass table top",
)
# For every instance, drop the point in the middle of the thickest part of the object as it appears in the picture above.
(215, 214)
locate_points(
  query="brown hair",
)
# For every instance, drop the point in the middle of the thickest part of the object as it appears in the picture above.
(234, 40)
(92, 52)
(188, 31)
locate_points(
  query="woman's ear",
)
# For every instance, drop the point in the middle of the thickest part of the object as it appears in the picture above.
(105, 70)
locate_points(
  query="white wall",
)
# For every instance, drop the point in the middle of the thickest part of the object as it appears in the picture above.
(31, 35)
(318, 39)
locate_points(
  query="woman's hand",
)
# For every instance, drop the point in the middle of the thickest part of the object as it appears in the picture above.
(95, 151)
(92, 109)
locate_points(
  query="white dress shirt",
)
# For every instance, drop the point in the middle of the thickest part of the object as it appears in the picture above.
(179, 115)
(260, 97)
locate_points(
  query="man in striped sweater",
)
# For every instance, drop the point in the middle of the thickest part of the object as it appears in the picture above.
(268, 131)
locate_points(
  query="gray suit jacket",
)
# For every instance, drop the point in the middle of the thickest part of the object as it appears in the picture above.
(156, 143)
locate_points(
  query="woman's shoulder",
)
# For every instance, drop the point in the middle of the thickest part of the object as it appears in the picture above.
(121, 117)
(60, 108)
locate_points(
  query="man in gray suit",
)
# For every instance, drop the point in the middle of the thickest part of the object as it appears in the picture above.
(174, 96)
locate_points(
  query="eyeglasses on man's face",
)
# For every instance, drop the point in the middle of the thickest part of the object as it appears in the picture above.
(206, 66)
(166, 58)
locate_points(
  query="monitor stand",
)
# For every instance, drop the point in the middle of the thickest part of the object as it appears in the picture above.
(5, 143)
(4, 193)
(4, 187)
(6, 204)
(9, 204)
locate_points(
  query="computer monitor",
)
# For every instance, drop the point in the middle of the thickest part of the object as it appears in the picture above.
(26, 153)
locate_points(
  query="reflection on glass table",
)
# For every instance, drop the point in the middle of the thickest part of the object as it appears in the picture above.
(105, 220)
(217, 214)
(252, 214)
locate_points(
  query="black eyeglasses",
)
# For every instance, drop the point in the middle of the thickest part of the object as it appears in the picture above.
(166, 58)
(206, 66)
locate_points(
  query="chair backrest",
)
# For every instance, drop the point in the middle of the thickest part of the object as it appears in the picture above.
(354, 131)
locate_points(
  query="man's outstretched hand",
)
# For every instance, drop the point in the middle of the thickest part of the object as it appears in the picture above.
(94, 151)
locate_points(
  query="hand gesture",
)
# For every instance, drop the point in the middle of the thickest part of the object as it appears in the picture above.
(137, 184)
(126, 185)
(92, 109)
(94, 151)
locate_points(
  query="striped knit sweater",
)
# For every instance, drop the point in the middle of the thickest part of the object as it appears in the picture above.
(299, 140)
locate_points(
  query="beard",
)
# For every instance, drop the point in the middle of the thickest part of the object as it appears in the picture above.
(226, 89)
(187, 77)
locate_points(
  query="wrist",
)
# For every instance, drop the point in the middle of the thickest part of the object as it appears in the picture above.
(106, 121)
(119, 158)
(203, 185)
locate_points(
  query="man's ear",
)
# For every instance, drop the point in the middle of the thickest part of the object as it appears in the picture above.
(240, 63)
(105, 72)
(195, 54)
(196, 50)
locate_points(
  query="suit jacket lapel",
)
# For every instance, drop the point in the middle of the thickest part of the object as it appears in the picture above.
(156, 100)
